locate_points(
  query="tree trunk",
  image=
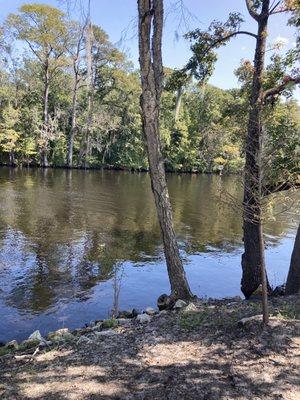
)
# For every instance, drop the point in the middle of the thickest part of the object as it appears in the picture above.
(252, 257)
(89, 43)
(151, 18)
(44, 158)
(178, 102)
(73, 125)
(293, 279)
(11, 158)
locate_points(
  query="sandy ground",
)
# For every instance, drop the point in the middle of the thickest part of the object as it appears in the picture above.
(200, 355)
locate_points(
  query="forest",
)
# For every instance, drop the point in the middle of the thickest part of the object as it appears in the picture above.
(71, 99)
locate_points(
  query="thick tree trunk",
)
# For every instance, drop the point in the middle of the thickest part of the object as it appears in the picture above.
(151, 18)
(252, 257)
(293, 279)
(73, 125)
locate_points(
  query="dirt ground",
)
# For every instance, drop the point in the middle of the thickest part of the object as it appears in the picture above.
(204, 354)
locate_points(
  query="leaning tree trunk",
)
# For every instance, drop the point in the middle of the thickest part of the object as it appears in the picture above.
(151, 19)
(293, 279)
(252, 259)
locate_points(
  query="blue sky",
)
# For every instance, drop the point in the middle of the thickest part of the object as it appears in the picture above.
(117, 16)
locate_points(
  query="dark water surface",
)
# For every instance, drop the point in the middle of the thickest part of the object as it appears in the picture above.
(69, 238)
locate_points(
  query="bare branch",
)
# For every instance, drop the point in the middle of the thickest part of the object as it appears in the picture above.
(251, 10)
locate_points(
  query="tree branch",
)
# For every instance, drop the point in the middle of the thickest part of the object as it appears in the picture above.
(33, 50)
(283, 186)
(251, 10)
(280, 88)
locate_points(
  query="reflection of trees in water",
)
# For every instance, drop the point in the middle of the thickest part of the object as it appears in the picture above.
(75, 227)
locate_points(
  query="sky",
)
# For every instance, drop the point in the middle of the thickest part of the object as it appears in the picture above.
(118, 17)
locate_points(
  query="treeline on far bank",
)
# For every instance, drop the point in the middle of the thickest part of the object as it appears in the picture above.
(71, 98)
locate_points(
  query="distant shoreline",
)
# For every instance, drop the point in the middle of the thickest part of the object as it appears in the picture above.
(115, 168)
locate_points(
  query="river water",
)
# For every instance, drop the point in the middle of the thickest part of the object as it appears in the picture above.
(71, 240)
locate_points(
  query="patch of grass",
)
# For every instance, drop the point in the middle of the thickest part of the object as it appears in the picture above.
(287, 311)
(191, 321)
(109, 323)
(4, 350)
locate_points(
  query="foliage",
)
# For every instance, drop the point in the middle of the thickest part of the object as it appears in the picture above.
(208, 135)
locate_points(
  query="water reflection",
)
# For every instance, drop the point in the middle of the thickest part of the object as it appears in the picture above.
(64, 233)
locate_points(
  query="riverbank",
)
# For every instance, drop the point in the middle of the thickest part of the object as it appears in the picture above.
(204, 350)
(116, 168)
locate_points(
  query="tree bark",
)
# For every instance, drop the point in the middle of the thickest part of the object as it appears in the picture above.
(293, 279)
(73, 124)
(178, 102)
(252, 257)
(44, 158)
(151, 19)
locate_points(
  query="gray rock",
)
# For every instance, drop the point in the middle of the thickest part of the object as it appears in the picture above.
(190, 308)
(60, 335)
(83, 340)
(36, 335)
(150, 311)
(143, 318)
(246, 321)
(44, 344)
(97, 326)
(232, 304)
(109, 332)
(13, 344)
(124, 321)
(180, 304)
(163, 313)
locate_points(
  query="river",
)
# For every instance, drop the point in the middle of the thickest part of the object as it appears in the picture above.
(71, 239)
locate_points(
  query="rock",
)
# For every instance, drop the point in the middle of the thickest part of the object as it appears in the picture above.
(13, 344)
(124, 314)
(190, 308)
(279, 290)
(143, 318)
(128, 314)
(150, 311)
(246, 321)
(109, 332)
(135, 313)
(123, 322)
(97, 326)
(163, 313)
(60, 335)
(232, 304)
(44, 344)
(165, 302)
(36, 335)
(180, 304)
(84, 340)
